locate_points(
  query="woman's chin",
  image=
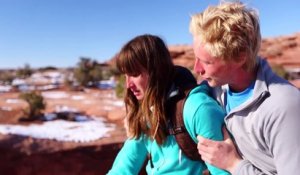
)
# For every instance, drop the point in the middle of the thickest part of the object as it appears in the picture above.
(139, 96)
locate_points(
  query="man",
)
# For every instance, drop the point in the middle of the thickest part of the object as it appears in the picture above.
(263, 110)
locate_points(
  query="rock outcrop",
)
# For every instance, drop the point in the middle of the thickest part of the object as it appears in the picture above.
(27, 156)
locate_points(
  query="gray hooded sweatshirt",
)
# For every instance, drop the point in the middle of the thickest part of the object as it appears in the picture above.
(266, 128)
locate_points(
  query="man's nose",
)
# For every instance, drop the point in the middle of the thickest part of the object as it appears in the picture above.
(198, 68)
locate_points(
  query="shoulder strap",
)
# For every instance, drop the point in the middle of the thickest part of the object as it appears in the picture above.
(177, 128)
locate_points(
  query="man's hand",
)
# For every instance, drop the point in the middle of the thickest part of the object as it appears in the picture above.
(222, 154)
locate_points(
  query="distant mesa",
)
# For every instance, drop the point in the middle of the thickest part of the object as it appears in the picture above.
(282, 50)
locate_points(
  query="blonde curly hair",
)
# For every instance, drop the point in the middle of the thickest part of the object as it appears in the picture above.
(228, 31)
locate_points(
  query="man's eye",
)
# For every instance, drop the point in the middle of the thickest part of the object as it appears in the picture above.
(207, 62)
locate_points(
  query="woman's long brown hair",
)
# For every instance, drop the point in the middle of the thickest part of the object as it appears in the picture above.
(147, 53)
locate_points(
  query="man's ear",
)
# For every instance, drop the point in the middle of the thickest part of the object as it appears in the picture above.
(241, 61)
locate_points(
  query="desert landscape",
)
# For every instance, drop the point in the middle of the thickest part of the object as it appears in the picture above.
(94, 151)
(26, 155)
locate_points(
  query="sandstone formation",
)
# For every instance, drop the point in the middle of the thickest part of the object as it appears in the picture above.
(28, 156)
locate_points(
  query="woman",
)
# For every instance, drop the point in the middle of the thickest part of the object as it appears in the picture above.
(151, 80)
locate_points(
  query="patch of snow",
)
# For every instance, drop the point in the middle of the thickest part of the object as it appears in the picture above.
(118, 103)
(18, 81)
(55, 94)
(6, 108)
(47, 87)
(78, 97)
(62, 130)
(49, 117)
(108, 108)
(59, 108)
(106, 84)
(12, 100)
(5, 88)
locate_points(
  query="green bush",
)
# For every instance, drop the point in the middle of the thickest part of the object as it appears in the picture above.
(87, 71)
(36, 103)
(6, 76)
(120, 86)
(24, 72)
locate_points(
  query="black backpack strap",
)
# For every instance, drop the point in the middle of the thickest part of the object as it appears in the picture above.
(177, 128)
(184, 82)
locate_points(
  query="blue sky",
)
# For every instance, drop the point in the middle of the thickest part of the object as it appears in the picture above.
(58, 32)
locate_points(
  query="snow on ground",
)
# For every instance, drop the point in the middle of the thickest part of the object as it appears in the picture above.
(13, 101)
(55, 94)
(5, 88)
(63, 108)
(77, 97)
(118, 103)
(5, 108)
(62, 130)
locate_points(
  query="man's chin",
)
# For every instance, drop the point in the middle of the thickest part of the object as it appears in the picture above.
(212, 83)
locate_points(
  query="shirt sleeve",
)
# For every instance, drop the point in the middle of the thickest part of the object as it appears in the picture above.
(130, 159)
(203, 116)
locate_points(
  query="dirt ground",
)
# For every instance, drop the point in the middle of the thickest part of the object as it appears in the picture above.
(94, 102)
(28, 156)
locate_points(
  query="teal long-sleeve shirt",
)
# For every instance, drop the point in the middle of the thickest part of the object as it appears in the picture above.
(202, 116)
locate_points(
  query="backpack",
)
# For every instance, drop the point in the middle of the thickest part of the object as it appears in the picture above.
(182, 86)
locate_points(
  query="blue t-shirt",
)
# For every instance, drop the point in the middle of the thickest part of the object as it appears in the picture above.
(235, 99)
